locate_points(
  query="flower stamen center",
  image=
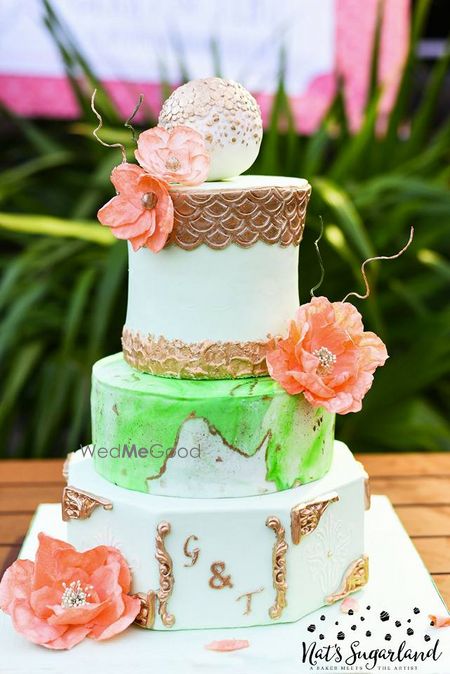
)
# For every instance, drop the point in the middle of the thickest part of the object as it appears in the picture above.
(326, 359)
(75, 595)
(173, 164)
(149, 200)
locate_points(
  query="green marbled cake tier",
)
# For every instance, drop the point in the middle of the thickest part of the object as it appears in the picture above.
(208, 438)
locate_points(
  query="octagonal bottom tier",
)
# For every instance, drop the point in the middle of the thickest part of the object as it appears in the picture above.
(228, 562)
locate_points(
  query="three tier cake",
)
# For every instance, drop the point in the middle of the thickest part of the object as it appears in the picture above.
(213, 467)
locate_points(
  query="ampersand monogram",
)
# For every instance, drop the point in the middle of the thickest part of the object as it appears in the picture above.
(218, 581)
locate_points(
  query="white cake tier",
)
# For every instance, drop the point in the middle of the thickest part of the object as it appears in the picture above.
(228, 562)
(232, 295)
(229, 274)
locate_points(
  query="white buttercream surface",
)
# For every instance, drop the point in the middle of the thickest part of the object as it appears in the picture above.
(235, 294)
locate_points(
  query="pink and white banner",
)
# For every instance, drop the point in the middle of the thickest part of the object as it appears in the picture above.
(133, 44)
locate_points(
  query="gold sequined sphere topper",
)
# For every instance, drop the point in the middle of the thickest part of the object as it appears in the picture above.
(228, 117)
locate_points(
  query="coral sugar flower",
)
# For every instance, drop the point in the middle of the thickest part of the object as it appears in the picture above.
(327, 356)
(178, 156)
(65, 595)
(142, 211)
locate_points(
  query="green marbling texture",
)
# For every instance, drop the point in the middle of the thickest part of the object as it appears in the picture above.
(131, 407)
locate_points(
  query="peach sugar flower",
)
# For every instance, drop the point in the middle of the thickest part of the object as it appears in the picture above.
(65, 595)
(174, 156)
(327, 356)
(142, 211)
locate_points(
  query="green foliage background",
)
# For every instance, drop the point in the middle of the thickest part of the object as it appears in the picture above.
(63, 277)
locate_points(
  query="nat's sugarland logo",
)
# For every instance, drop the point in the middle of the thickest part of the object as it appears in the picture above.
(133, 451)
(367, 640)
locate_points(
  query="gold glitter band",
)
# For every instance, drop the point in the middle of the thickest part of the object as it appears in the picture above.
(199, 360)
(218, 218)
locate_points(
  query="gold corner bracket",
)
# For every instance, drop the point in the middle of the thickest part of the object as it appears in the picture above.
(279, 551)
(166, 577)
(305, 517)
(355, 577)
(79, 505)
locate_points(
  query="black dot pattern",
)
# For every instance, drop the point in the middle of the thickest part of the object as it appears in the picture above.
(384, 618)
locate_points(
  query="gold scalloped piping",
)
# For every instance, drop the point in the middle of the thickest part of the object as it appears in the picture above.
(218, 218)
(199, 360)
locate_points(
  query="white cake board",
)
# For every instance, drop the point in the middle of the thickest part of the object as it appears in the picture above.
(398, 582)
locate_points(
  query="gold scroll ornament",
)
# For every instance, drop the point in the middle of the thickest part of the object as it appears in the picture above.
(355, 577)
(305, 517)
(79, 505)
(278, 567)
(166, 577)
(146, 616)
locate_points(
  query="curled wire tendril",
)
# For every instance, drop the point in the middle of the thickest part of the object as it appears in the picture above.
(100, 124)
(374, 259)
(319, 256)
(128, 124)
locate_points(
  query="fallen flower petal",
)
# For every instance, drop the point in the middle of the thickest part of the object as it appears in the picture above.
(349, 604)
(225, 645)
(440, 621)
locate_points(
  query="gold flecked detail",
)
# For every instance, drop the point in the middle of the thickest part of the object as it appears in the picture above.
(198, 360)
(218, 218)
(215, 102)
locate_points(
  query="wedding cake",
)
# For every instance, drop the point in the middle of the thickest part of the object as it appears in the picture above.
(213, 466)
